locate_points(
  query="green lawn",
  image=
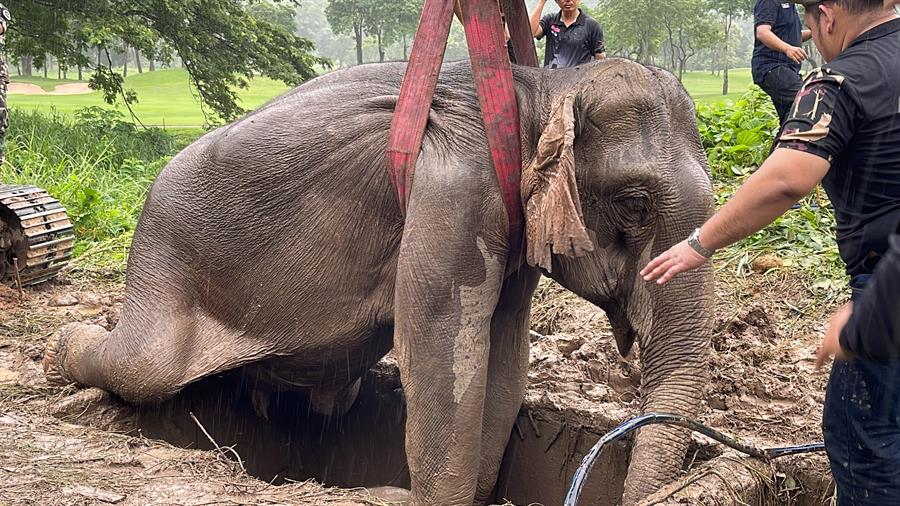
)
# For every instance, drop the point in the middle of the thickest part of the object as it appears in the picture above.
(165, 96)
(705, 87)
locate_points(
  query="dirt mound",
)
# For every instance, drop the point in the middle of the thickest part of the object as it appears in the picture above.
(72, 89)
(24, 89)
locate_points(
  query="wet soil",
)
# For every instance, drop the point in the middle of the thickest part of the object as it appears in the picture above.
(64, 446)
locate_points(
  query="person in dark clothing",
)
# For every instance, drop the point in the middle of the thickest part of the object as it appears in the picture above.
(5, 20)
(843, 130)
(777, 54)
(869, 328)
(573, 37)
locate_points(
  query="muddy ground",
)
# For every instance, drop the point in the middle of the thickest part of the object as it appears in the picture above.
(53, 449)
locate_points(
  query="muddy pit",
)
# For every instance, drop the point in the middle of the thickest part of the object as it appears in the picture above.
(579, 389)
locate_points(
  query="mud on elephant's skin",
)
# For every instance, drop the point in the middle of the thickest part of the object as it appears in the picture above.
(276, 244)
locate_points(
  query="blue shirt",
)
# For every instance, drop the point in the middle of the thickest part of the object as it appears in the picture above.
(785, 23)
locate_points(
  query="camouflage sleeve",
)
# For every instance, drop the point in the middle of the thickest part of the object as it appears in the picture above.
(5, 17)
(823, 118)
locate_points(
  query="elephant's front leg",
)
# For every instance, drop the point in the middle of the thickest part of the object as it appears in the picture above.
(449, 277)
(507, 374)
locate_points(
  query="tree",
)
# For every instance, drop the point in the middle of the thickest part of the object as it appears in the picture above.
(280, 15)
(385, 20)
(633, 27)
(688, 29)
(729, 11)
(221, 45)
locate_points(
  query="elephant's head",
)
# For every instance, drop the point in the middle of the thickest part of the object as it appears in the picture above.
(617, 175)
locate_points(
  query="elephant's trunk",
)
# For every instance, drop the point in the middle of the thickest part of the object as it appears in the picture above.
(675, 370)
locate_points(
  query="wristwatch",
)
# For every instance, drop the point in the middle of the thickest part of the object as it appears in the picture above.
(694, 242)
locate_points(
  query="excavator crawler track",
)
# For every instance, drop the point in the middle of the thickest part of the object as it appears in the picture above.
(36, 235)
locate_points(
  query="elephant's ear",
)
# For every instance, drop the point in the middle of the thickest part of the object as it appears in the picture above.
(553, 219)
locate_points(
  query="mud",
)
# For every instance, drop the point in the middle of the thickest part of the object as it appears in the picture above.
(763, 390)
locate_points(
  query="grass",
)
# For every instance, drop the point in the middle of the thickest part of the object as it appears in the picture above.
(165, 98)
(99, 168)
(707, 88)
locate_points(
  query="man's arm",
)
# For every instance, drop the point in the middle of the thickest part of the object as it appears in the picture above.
(600, 43)
(536, 30)
(806, 34)
(5, 19)
(786, 177)
(765, 35)
(821, 126)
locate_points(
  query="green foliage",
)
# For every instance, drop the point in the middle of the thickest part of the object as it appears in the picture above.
(98, 166)
(386, 20)
(280, 15)
(219, 42)
(737, 135)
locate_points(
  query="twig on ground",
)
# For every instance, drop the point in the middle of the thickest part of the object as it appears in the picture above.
(220, 449)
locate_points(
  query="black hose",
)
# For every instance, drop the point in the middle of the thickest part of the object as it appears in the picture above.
(668, 419)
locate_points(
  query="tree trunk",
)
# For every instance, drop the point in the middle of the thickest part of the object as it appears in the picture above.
(405, 49)
(151, 65)
(99, 52)
(725, 80)
(137, 61)
(125, 62)
(27, 65)
(80, 77)
(726, 59)
(380, 48)
(357, 29)
(46, 64)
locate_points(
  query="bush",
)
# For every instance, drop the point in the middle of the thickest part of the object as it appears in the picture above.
(98, 166)
(738, 135)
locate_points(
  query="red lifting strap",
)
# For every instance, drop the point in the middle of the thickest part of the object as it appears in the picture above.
(493, 82)
(411, 113)
(497, 94)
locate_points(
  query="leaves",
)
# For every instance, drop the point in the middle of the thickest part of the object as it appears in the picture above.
(222, 43)
(738, 137)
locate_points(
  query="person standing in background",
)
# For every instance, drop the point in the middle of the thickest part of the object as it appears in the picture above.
(573, 37)
(777, 54)
(5, 19)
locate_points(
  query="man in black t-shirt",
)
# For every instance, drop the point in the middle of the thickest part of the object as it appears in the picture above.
(843, 130)
(573, 37)
(777, 54)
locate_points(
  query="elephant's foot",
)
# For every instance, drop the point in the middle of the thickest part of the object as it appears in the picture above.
(66, 348)
(335, 401)
(390, 495)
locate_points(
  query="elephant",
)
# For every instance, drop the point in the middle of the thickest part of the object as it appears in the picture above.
(276, 244)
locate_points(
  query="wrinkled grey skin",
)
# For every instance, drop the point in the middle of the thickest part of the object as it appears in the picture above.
(277, 243)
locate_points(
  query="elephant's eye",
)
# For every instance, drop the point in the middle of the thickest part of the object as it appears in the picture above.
(635, 204)
(634, 201)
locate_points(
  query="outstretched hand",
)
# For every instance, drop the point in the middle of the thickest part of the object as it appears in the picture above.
(831, 343)
(675, 260)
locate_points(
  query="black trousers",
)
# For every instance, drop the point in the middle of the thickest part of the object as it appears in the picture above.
(782, 85)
